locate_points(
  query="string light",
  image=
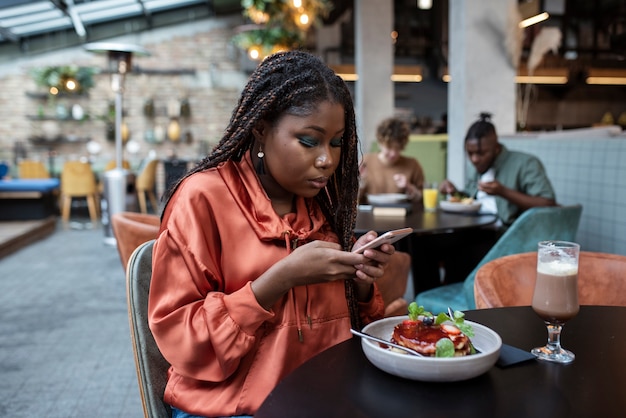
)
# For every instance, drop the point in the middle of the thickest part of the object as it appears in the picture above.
(71, 84)
(278, 25)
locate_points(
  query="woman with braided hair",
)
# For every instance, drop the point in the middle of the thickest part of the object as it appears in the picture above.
(253, 272)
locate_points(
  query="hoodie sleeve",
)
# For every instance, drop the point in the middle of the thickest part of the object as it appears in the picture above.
(373, 309)
(203, 332)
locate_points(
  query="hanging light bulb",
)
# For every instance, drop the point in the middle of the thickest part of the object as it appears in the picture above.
(257, 16)
(425, 4)
(302, 19)
(71, 84)
(254, 52)
(297, 3)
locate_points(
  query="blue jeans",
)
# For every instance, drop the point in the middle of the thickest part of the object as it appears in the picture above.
(177, 413)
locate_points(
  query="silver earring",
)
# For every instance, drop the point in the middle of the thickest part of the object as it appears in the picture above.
(260, 167)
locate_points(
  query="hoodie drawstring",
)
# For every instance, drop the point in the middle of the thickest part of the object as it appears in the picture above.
(292, 245)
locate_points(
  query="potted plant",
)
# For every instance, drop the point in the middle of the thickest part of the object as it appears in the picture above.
(69, 79)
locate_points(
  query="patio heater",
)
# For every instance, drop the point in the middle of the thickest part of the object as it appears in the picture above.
(115, 180)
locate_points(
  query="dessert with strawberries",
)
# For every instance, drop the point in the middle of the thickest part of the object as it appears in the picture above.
(440, 336)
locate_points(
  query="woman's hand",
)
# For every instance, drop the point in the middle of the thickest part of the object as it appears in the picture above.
(318, 262)
(369, 272)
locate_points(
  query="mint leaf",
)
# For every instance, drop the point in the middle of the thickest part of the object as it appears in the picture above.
(413, 311)
(441, 318)
(445, 348)
(465, 328)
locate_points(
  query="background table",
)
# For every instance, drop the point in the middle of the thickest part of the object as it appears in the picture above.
(433, 234)
(421, 221)
(341, 382)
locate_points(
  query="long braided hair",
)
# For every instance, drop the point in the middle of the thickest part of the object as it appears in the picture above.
(295, 82)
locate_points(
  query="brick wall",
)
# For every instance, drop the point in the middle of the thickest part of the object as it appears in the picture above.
(212, 91)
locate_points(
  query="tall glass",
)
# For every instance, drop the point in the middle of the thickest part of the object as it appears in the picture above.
(555, 298)
(430, 196)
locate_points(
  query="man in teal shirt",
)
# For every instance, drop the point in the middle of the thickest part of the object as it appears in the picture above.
(513, 180)
(505, 182)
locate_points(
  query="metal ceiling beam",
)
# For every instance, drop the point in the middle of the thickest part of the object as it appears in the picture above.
(69, 9)
(147, 14)
(5, 33)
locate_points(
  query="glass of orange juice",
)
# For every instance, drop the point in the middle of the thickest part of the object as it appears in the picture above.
(430, 196)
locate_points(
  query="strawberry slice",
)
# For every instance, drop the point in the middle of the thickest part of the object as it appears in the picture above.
(450, 329)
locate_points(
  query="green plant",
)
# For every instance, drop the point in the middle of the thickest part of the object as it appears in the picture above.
(65, 79)
(278, 24)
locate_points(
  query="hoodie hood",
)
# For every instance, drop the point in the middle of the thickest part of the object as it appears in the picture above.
(306, 224)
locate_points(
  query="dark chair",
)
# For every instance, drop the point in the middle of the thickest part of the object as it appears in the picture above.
(534, 225)
(149, 362)
(510, 280)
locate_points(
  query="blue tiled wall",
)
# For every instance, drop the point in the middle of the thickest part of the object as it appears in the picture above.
(591, 172)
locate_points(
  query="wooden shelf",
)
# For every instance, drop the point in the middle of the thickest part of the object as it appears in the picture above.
(43, 142)
(46, 96)
(68, 119)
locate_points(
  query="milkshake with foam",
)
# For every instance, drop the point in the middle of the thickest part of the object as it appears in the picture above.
(555, 299)
(556, 292)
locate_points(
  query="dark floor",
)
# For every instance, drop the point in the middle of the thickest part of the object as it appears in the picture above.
(64, 338)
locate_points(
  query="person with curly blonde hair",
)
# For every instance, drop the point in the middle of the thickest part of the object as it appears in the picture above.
(388, 171)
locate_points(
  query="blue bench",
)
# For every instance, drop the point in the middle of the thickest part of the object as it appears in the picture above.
(26, 199)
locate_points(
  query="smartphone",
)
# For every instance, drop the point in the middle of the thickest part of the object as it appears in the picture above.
(388, 237)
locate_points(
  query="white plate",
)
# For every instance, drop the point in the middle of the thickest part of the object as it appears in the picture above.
(386, 198)
(460, 207)
(432, 369)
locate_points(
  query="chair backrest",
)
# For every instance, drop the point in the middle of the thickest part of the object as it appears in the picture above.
(534, 225)
(510, 280)
(113, 163)
(78, 179)
(131, 229)
(392, 284)
(147, 177)
(31, 169)
(150, 364)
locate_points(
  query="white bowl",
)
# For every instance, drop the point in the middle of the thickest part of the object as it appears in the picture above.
(431, 369)
(460, 207)
(386, 198)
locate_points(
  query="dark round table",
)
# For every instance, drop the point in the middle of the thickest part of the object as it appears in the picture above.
(421, 221)
(341, 382)
(435, 234)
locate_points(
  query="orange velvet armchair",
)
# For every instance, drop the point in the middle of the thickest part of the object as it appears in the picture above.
(131, 229)
(510, 280)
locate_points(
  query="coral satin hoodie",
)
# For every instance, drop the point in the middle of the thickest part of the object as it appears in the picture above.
(219, 232)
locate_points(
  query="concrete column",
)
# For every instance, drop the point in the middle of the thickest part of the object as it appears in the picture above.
(374, 94)
(482, 76)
